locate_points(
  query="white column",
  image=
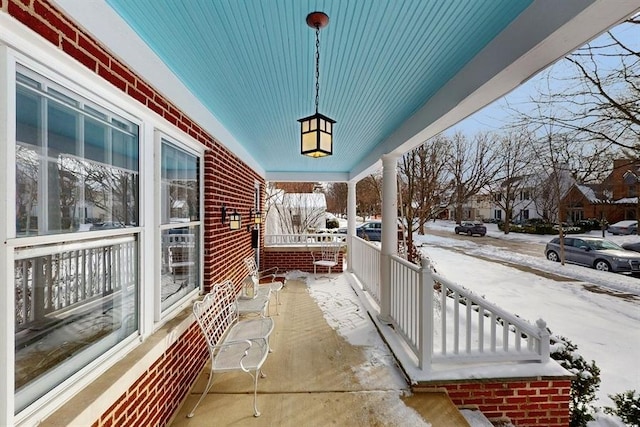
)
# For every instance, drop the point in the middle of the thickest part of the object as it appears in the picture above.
(389, 231)
(351, 220)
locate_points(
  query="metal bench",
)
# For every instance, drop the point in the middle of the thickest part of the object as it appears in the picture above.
(268, 277)
(258, 300)
(233, 344)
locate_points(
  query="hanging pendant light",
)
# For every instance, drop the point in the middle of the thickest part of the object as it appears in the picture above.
(316, 131)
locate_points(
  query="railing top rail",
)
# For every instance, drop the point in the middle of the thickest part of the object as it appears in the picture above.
(406, 263)
(512, 318)
(366, 242)
(303, 239)
(44, 250)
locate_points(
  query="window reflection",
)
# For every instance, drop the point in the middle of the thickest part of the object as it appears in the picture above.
(76, 166)
(72, 303)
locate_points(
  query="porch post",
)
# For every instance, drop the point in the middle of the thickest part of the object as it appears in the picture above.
(351, 220)
(389, 231)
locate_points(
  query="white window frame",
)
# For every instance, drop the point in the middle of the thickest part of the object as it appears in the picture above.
(198, 151)
(68, 387)
(19, 45)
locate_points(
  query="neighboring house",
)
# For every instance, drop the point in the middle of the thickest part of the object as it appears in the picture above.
(615, 199)
(477, 208)
(292, 213)
(521, 191)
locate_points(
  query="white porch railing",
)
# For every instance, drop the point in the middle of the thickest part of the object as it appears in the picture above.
(301, 239)
(440, 321)
(365, 260)
(443, 322)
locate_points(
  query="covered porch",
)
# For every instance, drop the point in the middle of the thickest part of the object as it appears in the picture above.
(189, 112)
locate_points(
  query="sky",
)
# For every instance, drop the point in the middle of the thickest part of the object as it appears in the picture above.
(603, 326)
(497, 114)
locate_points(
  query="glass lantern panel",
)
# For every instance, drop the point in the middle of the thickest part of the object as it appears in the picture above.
(308, 141)
(325, 142)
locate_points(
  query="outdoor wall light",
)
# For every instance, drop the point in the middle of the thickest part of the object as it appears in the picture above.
(235, 221)
(316, 131)
(223, 214)
(255, 217)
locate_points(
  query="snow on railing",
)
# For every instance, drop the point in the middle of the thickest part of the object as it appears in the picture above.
(444, 322)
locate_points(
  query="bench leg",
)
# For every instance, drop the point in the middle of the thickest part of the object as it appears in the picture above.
(206, 390)
(256, 413)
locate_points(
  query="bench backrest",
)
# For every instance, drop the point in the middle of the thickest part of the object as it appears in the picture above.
(251, 265)
(216, 313)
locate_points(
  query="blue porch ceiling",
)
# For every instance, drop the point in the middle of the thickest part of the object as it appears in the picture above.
(390, 71)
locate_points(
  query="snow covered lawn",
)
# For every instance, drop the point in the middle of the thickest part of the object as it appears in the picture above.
(606, 328)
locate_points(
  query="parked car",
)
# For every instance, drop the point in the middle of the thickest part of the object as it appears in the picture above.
(470, 228)
(370, 230)
(624, 227)
(632, 246)
(595, 252)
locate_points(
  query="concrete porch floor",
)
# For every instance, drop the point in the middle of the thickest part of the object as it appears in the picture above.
(315, 378)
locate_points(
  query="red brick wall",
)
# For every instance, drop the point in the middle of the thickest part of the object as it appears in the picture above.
(525, 402)
(296, 260)
(228, 181)
(155, 396)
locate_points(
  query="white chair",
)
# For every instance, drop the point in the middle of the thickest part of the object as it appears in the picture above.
(180, 253)
(327, 256)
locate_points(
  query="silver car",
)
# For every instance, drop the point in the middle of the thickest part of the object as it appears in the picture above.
(594, 252)
(624, 227)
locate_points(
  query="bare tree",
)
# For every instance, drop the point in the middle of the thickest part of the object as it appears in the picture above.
(423, 184)
(337, 197)
(514, 181)
(596, 97)
(473, 164)
(369, 195)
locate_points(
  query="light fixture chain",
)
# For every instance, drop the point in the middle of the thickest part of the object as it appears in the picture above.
(317, 66)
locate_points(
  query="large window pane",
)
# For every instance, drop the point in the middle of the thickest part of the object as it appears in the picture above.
(76, 164)
(180, 215)
(73, 303)
(180, 185)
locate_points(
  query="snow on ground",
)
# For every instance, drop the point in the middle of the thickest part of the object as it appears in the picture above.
(344, 312)
(617, 282)
(605, 327)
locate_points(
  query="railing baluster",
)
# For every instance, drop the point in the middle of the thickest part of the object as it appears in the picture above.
(505, 334)
(443, 315)
(493, 332)
(468, 326)
(480, 329)
(456, 323)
